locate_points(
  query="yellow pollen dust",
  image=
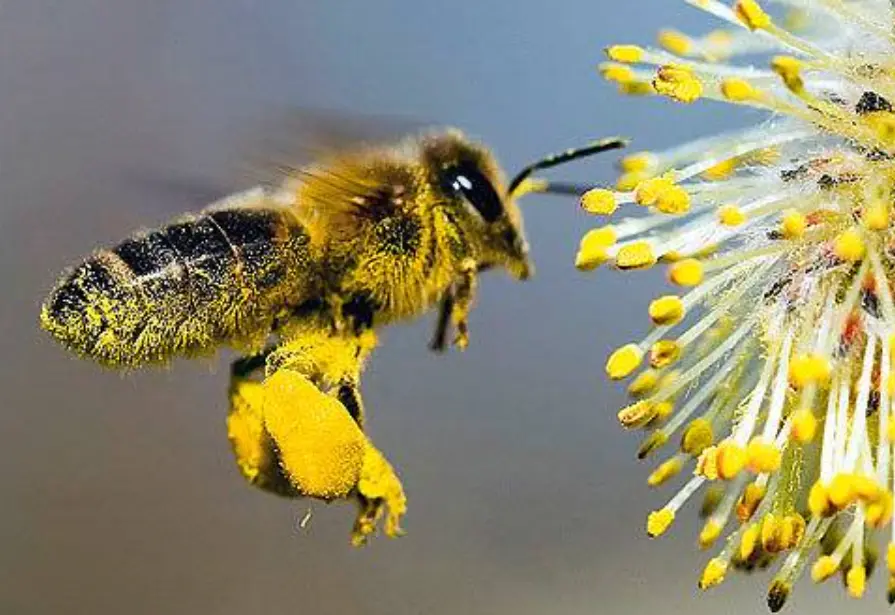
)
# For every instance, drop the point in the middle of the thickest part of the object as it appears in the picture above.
(637, 255)
(849, 246)
(599, 201)
(807, 369)
(666, 310)
(624, 361)
(731, 215)
(678, 83)
(658, 521)
(750, 13)
(793, 224)
(686, 272)
(626, 54)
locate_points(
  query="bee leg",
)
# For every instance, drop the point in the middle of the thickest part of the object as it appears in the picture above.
(439, 337)
(379, 492)
(464, 293)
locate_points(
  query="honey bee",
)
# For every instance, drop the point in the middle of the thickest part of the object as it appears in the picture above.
(298, 279)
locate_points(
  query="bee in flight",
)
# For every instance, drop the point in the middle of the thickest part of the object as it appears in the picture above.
(298, 279)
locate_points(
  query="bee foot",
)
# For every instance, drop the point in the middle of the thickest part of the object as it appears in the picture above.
(380, 495)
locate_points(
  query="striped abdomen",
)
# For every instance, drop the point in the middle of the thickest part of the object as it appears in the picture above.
(220, 277)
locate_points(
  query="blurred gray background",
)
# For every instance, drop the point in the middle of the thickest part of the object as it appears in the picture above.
(119, 493)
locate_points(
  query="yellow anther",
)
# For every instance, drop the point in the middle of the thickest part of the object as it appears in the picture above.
(825, 567)
(876, 217)
(592, 251)
(678, 83)
(637, 414)
(709, 533)
(774, 537)
(856, 581)
(750, 13)
(731, 459)
(659, 521)
(795, 529)
(841, 491)
(749, 540)
(617, 73)
(648, 191)
(676, 42)
(879, 512)
(663, 353)
(739, 90)
(697, 437)
(627, 182)
(749, 501)
(712, 498)
(807, 369)
(668, 378)
(638, 162)
(849, 245)
(666, 470)
(636, 255)
(599, 201)
(722, 170)
(663, 410)
(890, 557)
(762, 456)
(644, 383)
(804, 426)
(883, 125)
(674, 201)
(686, 272)
(626, 54)
(636, 88)
(731, 215)
(890, 429)
(866, 488)
(713, 573)
(790, 71)
(707, 463)
(890, 379)
(793, 224)
(819, 500)
(666, 310)
(623, 361)
(651, 443)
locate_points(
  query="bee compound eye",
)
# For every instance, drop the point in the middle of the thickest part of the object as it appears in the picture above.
(468, 181)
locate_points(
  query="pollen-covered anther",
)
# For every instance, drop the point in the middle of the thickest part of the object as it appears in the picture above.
(686, 272)
(793, 224)
(776, 533)
(626, 54)
(648, 191)
(663, 410)
(739, 90)
(825, 567)
(599, 201)
(804, 426)
(674, 201)
(749, 500)
(790, 71)
(750, 13)
(592, 251)
(663, 353)
(849, 245)
(731, 215)
(749, 540)
(878, 513)
(666, 310)
(713, 573)
(665, 472)
(637, 414)
(709, 533)
(882, 123)
(651, 443)
(697, 437)
(624, 361)
(659, 521)
(644, 383)
(636, 255)
(616, 73)
(678, 83)
(841, 491)
(819, 500)
(876, 216)
(762, 456)
(731, 459)
(638, 162)
(807, 369)
(675, 41)
(856, 581)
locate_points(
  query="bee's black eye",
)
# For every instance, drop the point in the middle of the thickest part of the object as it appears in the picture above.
(467, 180)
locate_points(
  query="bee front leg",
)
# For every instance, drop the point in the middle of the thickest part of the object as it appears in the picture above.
(464, 294)
(439, 337)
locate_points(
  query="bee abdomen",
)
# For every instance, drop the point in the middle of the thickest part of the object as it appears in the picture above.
(220, 277)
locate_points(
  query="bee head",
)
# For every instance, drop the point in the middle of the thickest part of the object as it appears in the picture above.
(471, 181)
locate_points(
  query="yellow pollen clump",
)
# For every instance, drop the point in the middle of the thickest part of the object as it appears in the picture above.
(890, 557)
(790, 71)
(825, 567)
(739, 90)
(637, 162)
(686, 272)
(709, 533)
(749, 541)
(677, 83)
(856, 581)
(731, 215)
(659, 521)
(617, 73)
(592, 249)
(879, 512)
(804, 426)
(663, 353)
(648, 191)
(849, 246)
(675, 200)
(697, 437)
(876, 217)
(624, 361)
(676, 42)
(629, 181)
(883, 125)
(841, 491)
(644, 383)
(664, 472)
(793, 224)
(819, 500)
(762, 456)
(750, 13)
(663, 410)
(626, 54)
(722, 170)
(666, 310)
(807, 369)
(731, 459)
(636, 415)
(749, 501)
(636, 255)
(599, 201)
(713, 574)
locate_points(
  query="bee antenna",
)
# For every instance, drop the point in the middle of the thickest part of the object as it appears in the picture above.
(594, 147)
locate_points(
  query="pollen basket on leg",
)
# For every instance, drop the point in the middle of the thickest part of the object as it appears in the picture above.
(768, 365)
